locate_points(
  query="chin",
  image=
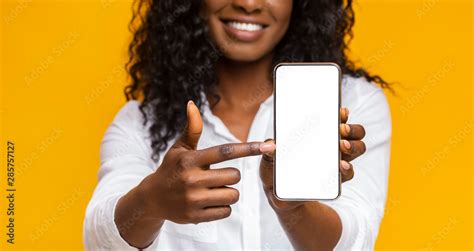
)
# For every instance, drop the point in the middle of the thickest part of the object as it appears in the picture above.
(247, 55)
(242, 57)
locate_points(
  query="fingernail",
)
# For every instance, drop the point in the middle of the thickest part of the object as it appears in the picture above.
(347, 128)
(345, 165)
(347, 111)
(189, 103)
(346, 143)
(267, 147)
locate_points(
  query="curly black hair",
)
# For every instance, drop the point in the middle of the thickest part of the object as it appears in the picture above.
(172, 58)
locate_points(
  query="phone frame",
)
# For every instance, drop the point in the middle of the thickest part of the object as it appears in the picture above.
(338, 125)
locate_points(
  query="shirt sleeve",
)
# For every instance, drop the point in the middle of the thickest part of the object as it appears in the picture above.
(124, 162)
(362, 201)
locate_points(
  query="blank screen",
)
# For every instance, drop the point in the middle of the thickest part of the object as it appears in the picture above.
(307, 101)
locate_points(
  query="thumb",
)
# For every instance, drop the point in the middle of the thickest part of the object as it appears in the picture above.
(193, 129)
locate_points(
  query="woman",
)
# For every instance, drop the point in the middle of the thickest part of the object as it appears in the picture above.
(170, 174)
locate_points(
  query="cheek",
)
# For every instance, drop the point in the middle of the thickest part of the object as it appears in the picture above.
(281, 10)
(211, 6)
(209, 13)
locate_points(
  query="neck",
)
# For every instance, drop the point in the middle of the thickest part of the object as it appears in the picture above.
(243, 83)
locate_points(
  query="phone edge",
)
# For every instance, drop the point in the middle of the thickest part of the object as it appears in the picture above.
(339, 122)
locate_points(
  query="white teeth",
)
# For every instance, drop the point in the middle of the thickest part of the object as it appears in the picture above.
(245, 26)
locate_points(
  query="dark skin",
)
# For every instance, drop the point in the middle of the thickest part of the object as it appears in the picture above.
(185, 190)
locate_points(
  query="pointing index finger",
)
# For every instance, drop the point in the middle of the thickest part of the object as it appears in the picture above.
(221, 153)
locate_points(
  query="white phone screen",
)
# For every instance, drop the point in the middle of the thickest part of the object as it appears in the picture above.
(306, 113)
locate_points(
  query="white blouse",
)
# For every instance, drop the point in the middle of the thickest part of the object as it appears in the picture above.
(253, 225)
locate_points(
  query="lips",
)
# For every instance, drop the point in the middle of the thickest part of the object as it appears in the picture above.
(244, 30)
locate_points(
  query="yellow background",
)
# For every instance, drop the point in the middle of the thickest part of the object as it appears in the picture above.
(62, 81)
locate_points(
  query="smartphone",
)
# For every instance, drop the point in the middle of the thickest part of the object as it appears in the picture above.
(307, 100)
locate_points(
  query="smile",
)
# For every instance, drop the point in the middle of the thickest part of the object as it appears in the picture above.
(244, 30)
(245, 26)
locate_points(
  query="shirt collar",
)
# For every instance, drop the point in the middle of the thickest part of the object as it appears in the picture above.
(216, 123)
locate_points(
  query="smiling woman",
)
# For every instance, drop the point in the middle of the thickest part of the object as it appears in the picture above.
(177, 52)
(198, 175)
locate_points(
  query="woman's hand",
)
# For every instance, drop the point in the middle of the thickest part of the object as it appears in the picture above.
(351, 146)
(184, 189)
